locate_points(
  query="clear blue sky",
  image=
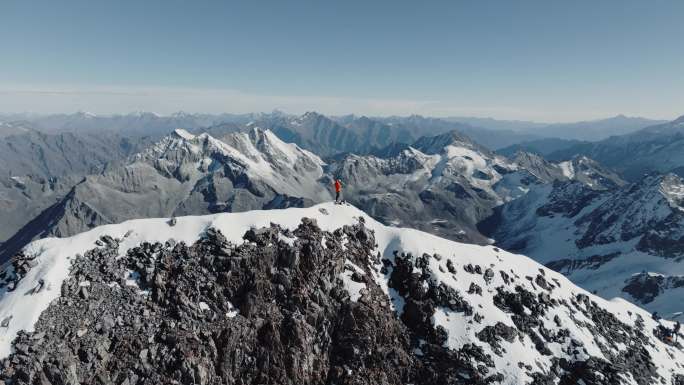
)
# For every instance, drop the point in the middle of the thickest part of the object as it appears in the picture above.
(542, 60)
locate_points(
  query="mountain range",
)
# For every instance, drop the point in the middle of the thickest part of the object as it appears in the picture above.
(80, 191)
(445, 184)
(349, 133)
(179, 175)
(655, 148)
(591, 130)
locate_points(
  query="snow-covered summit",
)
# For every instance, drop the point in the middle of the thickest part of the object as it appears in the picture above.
(183, 134)
(527, 321)
(257, 153)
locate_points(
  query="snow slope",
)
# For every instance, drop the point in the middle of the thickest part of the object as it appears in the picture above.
(606, 241)
(52, 256)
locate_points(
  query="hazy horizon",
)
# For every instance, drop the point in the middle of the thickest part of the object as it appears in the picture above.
(276, 110)
(532, 60)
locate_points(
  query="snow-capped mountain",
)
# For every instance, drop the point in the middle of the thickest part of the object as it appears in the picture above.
(446, 184)
(623, 242)
(579, 168)
(185, 174)
(258, 154)
(442, 184)
(334, 298)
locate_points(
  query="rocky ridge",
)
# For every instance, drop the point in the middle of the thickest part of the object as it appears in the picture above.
(334, 297)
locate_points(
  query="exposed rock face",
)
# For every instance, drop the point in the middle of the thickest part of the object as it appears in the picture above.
(359, 135)
(644, 287)
(567, 199)
(630, 212)
(604, 239)
(23, 198)
(215, 312)
(306, 307)
(38, 169)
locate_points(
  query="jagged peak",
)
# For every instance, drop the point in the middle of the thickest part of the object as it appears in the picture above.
(312, 115)
(527, 159)
(526, 155)
(308, 118)
(247, 143)
(436, 144)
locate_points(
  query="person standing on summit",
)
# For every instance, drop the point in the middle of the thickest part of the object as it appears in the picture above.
(338, 190)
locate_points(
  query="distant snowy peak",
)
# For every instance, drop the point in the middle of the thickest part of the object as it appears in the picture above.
(259, 142)
(541, 168)
(310, 116)
(443, 159)
(649, 210)
(460, 156)
(439, 143)
(308, 120)
(446, 189)
(183, 134)
(594, 175)
(144, 114)
(672, 187)
(255, 144)
(579, 168)
(259, 154)
(360, 171)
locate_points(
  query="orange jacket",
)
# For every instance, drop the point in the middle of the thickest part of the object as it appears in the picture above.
(338, 186)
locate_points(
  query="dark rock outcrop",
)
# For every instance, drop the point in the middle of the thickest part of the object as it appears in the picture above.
(266, 311)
